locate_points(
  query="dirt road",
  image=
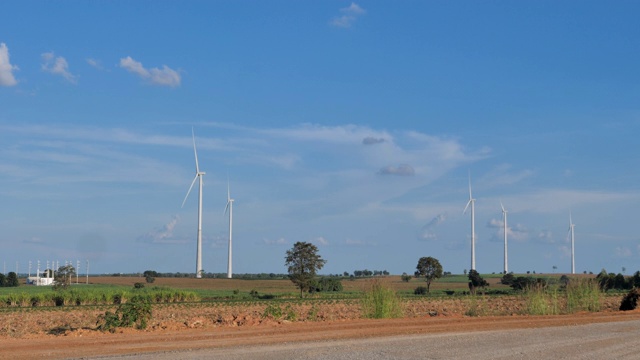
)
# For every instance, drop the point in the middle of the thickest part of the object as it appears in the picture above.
(562, 336)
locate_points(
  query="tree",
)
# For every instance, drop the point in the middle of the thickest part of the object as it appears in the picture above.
(430, 268)
(3, 280)
(302, 262)
(12, 280)
(475, 281)
(62, 279)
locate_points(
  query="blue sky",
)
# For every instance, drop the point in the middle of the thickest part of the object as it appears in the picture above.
(351, 125)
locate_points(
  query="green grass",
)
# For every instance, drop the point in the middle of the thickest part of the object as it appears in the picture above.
(381, 302)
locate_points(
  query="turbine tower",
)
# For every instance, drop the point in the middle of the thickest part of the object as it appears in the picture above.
(230, 208)
(198, 176)
(472, 202)
(573, 259)
(504, 220)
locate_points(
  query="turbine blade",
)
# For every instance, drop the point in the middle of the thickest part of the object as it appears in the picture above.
(502, 206)
(466, 207)
(228, 192)
(226, 208)
(190, 187)
(194, 150)
(470, 196)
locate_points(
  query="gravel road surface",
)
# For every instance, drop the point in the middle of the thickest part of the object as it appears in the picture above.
(615, 340)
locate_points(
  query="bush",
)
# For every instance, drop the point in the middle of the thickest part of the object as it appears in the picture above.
(136, 312)
(149, 279)
(381, 302)
(405, 277)
(420, 290)
(138, 285)
(630, 301)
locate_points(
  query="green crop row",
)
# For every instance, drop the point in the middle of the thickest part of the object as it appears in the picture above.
(77, 297)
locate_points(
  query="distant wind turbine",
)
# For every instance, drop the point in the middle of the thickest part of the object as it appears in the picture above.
(472, 202)
(198, 176)
(573, 259)
(504, 220)
(230, 208)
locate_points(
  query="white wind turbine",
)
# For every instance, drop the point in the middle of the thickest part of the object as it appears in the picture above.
(230, 208)
(504, 220)
(472, 202)
(573, 259)
(198, 176)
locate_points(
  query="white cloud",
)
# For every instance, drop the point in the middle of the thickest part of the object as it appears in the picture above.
(517, 232)
(622, 252)
(95, 63)
(427, 232)
(349, 17)
(354, 9)
(163, 77)
(321, 240)
(6, 69)
(163, 235)
(57, 66)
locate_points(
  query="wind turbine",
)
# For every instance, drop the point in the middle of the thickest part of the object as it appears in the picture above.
(198, 176)
(472, 202)
(504, 220)
(230, 208)
(573, 259)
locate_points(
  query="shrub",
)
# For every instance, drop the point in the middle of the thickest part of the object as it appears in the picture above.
(381, 302)
(138, 285)
(420, 290)
(405, 277)
(136, 312)
(630, 301)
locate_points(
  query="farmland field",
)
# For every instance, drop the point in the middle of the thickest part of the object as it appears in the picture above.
(226, 308)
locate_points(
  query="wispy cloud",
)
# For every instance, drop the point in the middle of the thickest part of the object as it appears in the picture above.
(348, 16)
(321, 240)
(622, 252)
(6, 69)
(163, 77)
(400, 170)
(163, 235)
(95, 63)
(518, 232)
(57, 66)
(427, 232)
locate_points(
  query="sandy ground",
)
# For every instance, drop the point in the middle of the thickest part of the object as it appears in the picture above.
(128, 341)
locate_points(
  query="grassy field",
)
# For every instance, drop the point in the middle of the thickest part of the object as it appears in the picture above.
(239, 289)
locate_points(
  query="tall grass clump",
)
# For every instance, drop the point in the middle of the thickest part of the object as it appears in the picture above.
(583, 295)
(541, 300)
(381, 302)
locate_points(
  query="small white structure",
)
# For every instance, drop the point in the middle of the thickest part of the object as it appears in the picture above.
(40, 280)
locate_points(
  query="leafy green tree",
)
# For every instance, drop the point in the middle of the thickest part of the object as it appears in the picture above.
(507, 279)
(476, 281)
(3, 280)
(62, 279)
(303, 261)
(12, 280)
(405, 277)
(430, 268)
